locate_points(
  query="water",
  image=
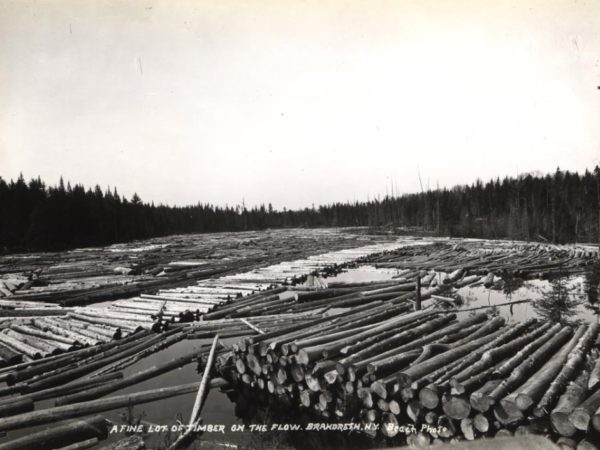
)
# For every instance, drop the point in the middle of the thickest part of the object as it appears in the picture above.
(578, 302)
(363, 273)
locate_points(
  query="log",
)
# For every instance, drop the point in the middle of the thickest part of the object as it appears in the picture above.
(573, 396)
(568, 372)
(310, 354)
(20, 347)
(524, 362)
(596, 420)
(82, 368)
(9, 356)
(582, 414)
(45, 347)
(69, 388)
(589, 443)
(540, 383)
(417, 371)
(28, 370)
(24, 329)
(133, 442)
(60, 435)
(88, 443)
(468, 362)
(366, 355)
(495, 355)
(456, 407)
(58, 413)
(16, 406)
(201, 395)
(146, 374)
(594, 375)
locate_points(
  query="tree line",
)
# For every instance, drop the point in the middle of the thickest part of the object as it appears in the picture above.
(560, 207)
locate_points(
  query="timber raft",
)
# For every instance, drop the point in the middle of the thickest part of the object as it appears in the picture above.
(381, 354)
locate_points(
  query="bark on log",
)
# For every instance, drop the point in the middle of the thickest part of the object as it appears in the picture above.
(594, 375)
(573, 396)
(568, 372)
(495, 355)
(131, 380)
(524, 362)
(540, 382)
(419, 370)
(582, 414)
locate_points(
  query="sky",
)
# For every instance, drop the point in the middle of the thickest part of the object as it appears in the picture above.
(296, 102)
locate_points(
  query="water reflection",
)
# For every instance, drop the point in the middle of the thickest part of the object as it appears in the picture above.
(559, 303)
(510, 284)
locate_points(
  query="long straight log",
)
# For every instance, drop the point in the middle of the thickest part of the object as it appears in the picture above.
(99, 361)
(568, 372)
(67, 329)
(42, 334)
(131, 380)
(507, 411)
(10, 356)
(472, 358)
(490, 329)
(294, 328)
(28, 370)
(495, 355)
(82, 445)
(169, 338)
(201, 395)
(471, 384)
(379, 350)
(540, 382)
(309, 354)
(61, 435)
(359, 361)
(69, 388)
(59, 413)
(378, 343)
(20, 347)
(46, 347)
(419, 370)
(594, 375)
(529, 349)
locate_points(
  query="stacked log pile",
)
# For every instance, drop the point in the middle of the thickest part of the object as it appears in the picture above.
(386, 368)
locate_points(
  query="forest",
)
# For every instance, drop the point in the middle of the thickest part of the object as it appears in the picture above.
(560, 207)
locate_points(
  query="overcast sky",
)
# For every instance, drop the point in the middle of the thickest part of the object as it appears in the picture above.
(296, 102)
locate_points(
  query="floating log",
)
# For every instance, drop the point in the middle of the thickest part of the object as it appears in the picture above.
(61, 435)
(133, 442)
(131, 380)
(58, 413)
